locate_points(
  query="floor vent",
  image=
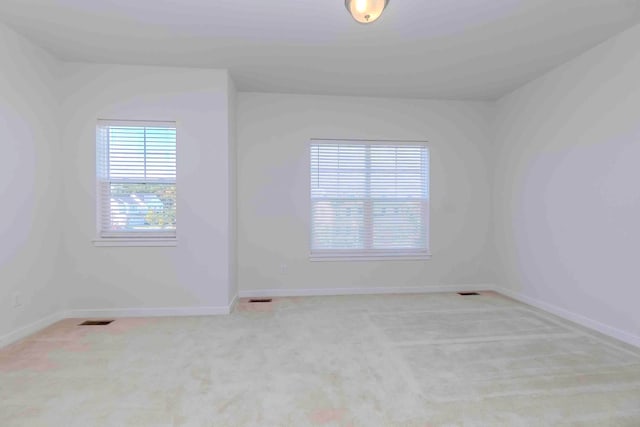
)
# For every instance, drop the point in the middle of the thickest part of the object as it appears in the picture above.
(260, 300)
(96, 323)
(467, 294)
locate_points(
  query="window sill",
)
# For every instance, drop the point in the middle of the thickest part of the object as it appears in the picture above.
(417, 257)
(132, 241)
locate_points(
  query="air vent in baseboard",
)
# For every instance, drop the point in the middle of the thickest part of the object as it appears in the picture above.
(260, 300)
(467, 294)
(96, 323)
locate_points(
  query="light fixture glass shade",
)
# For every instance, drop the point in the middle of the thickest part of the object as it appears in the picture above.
(366, 11)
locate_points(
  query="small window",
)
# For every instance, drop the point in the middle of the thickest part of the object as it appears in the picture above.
(136, 180)
(369, 199)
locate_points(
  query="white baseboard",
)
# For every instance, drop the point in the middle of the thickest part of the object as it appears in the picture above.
(261, 293)
(148, 312)
(29, 329)
(34, 327)
(616, 333)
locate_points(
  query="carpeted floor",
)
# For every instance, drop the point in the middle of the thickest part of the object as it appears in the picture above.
(399, 360)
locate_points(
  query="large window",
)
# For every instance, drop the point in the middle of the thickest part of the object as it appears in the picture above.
(136, 178)
(369, 199)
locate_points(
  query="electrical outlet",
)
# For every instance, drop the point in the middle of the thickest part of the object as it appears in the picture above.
(283, 268)
(17, 302)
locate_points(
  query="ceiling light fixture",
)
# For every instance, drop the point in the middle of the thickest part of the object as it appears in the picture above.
(366, 11)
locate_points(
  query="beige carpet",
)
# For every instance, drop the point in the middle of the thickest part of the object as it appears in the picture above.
(400, 360)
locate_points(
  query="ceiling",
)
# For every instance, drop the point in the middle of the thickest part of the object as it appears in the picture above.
(451, 49)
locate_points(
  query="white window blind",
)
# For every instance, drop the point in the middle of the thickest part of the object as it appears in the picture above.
(369, 199)
(136, 178)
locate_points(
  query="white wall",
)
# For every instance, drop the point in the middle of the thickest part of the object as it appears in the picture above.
(273, 189)
(233, 189)
(567, 188)
(195, 274)
(30, 184)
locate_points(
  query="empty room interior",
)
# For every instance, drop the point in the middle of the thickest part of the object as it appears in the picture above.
(410, 213)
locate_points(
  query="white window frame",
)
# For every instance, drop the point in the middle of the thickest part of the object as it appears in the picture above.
(141, 239)
(371, 254)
